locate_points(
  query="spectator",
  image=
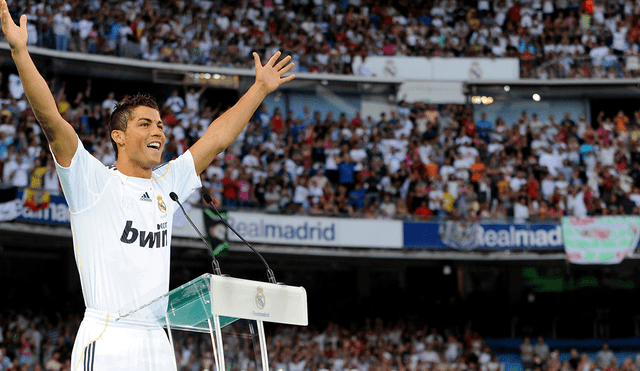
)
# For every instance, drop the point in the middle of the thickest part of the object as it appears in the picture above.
(5, 361)
(175, 102)
(192, 99)
(541, 349)
(109, 104)
(526, 354)
(484, 127)
(62, 28)
(605, 357)
(423, 212)
(521, 210)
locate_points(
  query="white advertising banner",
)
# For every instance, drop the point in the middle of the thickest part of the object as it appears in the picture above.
(602, 240)
(438, 92)
(315, 231)
(442, 69)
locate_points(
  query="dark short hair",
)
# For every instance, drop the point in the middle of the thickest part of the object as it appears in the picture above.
(122, 113)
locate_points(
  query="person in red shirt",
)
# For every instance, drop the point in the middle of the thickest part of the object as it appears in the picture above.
(469, 126)
(357, 122)
(514, 13)
(230, 186)
(277, 122)
(423, 212)
(532, 186)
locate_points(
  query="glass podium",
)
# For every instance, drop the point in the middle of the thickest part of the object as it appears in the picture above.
(210, 303)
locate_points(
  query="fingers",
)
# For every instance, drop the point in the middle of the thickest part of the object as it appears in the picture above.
(23, 22)
(274, 58)
(5, 17)
(3, 11)
(286, 69)
(256, 59)
(284, 61)
(287, 79)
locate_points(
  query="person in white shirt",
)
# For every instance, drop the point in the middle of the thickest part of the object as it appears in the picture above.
(598, 53)
(62, 29)
(387, 207)
(16, 169)
(429, 355)
(363, 70)
(550, 160)
(175, 102)
(15, 86)
(606, 153)
(548, 186)
(517, 181)
(251, 160)
(120, 216)
(575, 201)
(393, 159)
(447, 169)
(51, 183)
(109, 104)
(192, 98)
(521, 210)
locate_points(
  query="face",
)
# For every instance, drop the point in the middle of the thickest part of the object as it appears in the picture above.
(143, 140)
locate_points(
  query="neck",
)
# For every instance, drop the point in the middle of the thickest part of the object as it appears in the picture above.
(128, 168)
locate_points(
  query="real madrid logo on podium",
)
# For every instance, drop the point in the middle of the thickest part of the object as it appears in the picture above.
(261, 301)
(161, 205)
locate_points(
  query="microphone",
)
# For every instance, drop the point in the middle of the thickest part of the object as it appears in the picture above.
(208, 200)
(214, 262)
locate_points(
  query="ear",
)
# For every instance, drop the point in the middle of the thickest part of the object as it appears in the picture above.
(118, 137)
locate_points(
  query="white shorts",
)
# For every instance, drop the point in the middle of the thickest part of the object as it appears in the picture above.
(104, 344)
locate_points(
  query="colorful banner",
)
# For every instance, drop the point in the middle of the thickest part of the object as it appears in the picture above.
(461, 235)
(55, 212)
(602, 240)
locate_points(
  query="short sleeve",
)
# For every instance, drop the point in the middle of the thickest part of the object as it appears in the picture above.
(181, 175)
(83, 180)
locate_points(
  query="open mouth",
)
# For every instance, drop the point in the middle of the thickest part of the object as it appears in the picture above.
(154, 145)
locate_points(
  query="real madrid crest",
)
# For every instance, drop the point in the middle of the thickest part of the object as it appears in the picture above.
(161, 205)
(261, 301)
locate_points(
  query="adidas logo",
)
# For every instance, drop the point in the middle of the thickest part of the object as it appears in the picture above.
(145, 197)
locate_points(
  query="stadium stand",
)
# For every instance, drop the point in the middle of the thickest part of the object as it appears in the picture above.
(423, 161)
(563, 39)
(31, 342)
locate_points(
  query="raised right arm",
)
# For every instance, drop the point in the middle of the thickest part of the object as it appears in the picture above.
(60, 134)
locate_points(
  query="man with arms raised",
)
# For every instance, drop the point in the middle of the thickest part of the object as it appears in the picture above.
(121, 216)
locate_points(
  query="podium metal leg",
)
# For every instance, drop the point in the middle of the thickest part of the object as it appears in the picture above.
(214, 346)
(263, 346)
(173, 349)
(216, 322)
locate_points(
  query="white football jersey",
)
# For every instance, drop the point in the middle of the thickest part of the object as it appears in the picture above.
(121, 228)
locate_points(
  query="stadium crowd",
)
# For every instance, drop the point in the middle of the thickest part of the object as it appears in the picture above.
(552, 39)
(420, 161)
(36, 342)
(539, 356)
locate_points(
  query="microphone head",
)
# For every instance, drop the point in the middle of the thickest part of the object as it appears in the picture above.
(173, 196)
(207, 198)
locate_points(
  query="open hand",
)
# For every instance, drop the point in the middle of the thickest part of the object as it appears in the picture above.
(16, 36)
(270, 75)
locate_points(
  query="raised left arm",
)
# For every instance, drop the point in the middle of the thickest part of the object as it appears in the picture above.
(224, 130)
